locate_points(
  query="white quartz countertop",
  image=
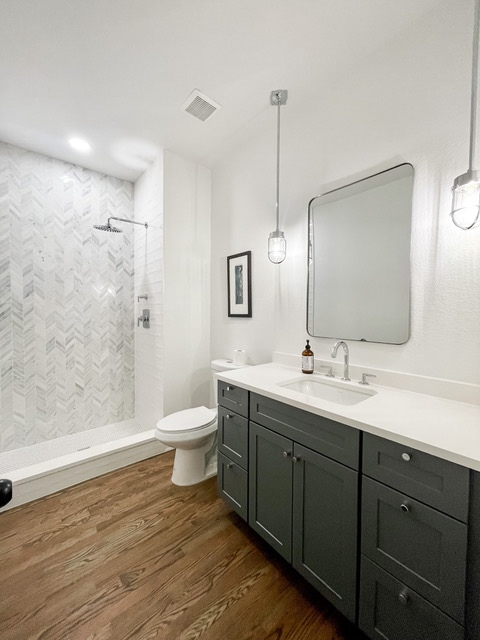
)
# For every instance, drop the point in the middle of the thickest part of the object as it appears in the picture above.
(442, 427)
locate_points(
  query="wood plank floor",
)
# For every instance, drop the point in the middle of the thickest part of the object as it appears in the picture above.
(129, 556)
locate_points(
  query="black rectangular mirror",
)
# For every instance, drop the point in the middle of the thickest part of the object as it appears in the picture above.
(359, 259)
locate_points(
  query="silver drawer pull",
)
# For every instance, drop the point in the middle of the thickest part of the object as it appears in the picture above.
(286, 454)
(295, 459)
(229, 465)
(404, 507)
(406, 456)
(403, 598)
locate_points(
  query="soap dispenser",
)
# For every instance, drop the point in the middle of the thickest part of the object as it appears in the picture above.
(307, 359)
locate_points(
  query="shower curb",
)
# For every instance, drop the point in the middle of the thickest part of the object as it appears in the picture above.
(46, 478)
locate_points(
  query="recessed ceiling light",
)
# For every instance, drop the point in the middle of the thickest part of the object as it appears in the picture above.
(80, 145)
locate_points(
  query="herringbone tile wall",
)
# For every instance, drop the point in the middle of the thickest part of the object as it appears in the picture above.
(66, 300)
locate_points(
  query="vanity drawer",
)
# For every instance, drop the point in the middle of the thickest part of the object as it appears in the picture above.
(420, 546)
(391, 611)
(439, 483)
(233, 397)
(232, 484)
(233, 436)
(332, 439)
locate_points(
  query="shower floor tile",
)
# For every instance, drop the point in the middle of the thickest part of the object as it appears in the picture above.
(45, 451)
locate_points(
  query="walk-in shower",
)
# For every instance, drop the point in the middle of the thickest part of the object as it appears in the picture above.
(68, 329)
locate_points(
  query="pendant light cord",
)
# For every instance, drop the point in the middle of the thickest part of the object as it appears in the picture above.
(276, 240)
(473, 114)
(278, 163)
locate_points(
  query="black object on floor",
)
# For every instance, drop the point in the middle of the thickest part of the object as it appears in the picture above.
(5, 492)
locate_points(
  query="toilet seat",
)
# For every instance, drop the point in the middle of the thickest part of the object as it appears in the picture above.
(187, 420)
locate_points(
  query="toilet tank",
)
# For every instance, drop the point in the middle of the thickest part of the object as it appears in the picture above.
(222, 364)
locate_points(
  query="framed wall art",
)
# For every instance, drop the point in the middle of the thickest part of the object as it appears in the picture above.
(239, 281)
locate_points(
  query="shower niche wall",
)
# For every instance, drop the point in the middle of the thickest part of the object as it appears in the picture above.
(66, 299)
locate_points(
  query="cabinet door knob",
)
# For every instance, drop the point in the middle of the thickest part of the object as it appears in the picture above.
(229, 465)
(403, 598)
(286, 454)
(228, 417)
(404, 507)
(229, 388)
(295, 458)
(406, 456)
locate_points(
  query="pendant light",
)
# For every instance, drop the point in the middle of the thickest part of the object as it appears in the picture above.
(277, 245)
(466, 188)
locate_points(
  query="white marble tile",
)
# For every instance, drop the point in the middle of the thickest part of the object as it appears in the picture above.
(66, 300)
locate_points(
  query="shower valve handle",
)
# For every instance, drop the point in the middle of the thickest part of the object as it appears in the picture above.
(144, 319)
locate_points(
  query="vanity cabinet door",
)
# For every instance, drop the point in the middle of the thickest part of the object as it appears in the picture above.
(389, 610)
(325, 500)
(232, 483)
(233, 397)
(332, 439)
(438, 483)
(270, 488)
(420, 546)
(233, 436)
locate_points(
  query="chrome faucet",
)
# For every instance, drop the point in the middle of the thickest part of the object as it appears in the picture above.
(346, 357)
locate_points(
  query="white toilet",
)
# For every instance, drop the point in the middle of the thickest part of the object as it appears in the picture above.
(193, 433)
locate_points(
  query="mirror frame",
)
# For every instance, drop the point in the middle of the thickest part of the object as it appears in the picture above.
(310, 256)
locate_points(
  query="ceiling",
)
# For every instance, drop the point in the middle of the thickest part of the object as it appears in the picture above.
(116, 72)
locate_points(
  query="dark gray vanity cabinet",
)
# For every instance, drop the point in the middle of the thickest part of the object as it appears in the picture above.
(303, 502)
(232, 475)
(388, 534)
(414, 556)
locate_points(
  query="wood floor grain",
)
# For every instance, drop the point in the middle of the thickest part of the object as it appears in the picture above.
(129, 556)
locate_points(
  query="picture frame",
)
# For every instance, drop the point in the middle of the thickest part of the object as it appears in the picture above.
(239, 282)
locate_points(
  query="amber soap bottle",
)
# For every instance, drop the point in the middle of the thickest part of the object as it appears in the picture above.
(307, 359)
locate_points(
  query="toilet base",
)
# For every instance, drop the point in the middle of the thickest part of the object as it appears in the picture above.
(192, 466)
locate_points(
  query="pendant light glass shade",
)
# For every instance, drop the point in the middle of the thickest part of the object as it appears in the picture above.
(466, 200)
(466, 188)
(277, 247)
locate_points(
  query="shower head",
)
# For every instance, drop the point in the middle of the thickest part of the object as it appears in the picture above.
(108, 226)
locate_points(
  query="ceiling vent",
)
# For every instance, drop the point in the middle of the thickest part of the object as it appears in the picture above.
(200, 106)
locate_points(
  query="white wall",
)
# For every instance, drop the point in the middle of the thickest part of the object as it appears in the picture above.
(407, 103)
(172, 266)
(148, 261)
(187, 284)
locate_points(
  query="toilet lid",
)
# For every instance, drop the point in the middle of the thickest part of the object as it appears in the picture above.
(188, 420)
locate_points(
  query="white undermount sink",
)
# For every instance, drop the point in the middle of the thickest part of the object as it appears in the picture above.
(328, 390)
